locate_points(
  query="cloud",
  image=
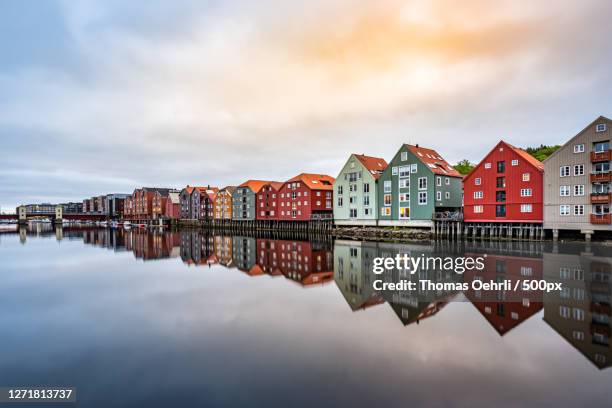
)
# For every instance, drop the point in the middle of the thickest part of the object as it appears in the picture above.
(218, 93)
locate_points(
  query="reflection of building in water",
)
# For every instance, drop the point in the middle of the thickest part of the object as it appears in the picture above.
(353, 273)
(197, 248)
(305, 262)
(244, 253)
(267, 256)
(144, 244)
(581, 311)
(505, 310)
(223, 250)
(414, 306)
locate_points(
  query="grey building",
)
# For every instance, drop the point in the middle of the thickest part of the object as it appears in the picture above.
(577, 182)
(244, 203)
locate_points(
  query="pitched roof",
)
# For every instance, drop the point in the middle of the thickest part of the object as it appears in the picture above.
(315, 181)
(174, 197)
(433, 160)
(375, 165)
(601, 117)
(229, 189)
(276, 185)
(526, 156)
(254, 185)
(189, 189)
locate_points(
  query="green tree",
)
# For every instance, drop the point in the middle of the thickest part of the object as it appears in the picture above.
(542, 152)
(464, 166)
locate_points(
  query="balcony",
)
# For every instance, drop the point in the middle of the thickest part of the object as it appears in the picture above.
(602, 177)
(603, 156)
(600, 219)
(601, 198)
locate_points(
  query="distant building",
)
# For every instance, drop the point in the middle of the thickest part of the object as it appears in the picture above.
(578, 182)
(223, 203)
(306, 197)
(356, 191)
(115, 204)
(202, 200)
(417, 185)
(244, 201)
(173, 205)
(267, 201)
(185, 198)
(505, 187)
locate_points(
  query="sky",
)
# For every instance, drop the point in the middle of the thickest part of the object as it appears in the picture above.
(102, 97)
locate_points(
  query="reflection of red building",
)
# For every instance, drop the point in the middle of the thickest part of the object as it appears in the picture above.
(267, 256)
(303, 263)
(504, 310)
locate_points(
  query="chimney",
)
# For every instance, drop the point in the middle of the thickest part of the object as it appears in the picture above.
(417, 145)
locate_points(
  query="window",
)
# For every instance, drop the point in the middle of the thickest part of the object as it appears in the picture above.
(366, 200)
(385, 211)
(578, 190)
(447, 181)
(579, 170)
(404, 212)
(366, 187)
(600, 127)
(526, 192)
(340, 202)
(487, 165)
(403, 197)
(501, 166)
(564, 191)
(387, 186)
(423, 197)
(413, 168)
(564, 312)
(501, 182)
(577, 314)
(404, 183)
(478, 209)
(578, 335)
(353, 213)
(579, 148)
(564, 209)
(500, 196)
(579, 210)
(526, 271)
(477, 194)
(564, 171)
(601, 146)
(447, 195)
(404, 171)
(438, 181)
(366, 211)
(526, 176)
(339, 189)
(438, 196)
(515, 162)
(404, 156)
(500, 210)
(394, 171)
(422, 183)
(477, 181)
(387, 199)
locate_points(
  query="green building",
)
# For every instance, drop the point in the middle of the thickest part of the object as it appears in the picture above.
(355, 191)
(417, 185)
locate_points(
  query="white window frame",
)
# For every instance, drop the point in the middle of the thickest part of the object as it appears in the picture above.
(404, 156)
(526, 177)
(477, 181)
(578, 190)
(478, 209)
(478, 195)
(447, 195)
(526, 192)
(487, 166)
(394, 171)
(424, 180)
(565, 191)
(387, 187)
(438, 196)
(579, 148)
(563, 172)
(564, 210)
(600, 127)
(526, 208)
(579, 209)
(422, 194)
(514, 162)
(438, 181)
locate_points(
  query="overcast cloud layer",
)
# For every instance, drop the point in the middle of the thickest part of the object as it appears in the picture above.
(106, 96)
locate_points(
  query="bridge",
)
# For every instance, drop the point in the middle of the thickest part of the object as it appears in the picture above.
(58, 215)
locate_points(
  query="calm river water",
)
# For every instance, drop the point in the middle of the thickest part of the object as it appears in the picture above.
(187, 319)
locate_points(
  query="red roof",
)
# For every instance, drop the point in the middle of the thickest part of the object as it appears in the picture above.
(375, 165)
(529, 158)
(315, 181)
(434, 161)
(255, 185)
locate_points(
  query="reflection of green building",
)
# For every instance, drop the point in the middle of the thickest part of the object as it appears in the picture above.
(353, 262)
(413, 306)
(244, 252)
(581, 311)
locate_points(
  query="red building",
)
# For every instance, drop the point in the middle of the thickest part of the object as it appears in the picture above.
(506, 186)
(267, 201)
(173, 206)
(306, 197)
